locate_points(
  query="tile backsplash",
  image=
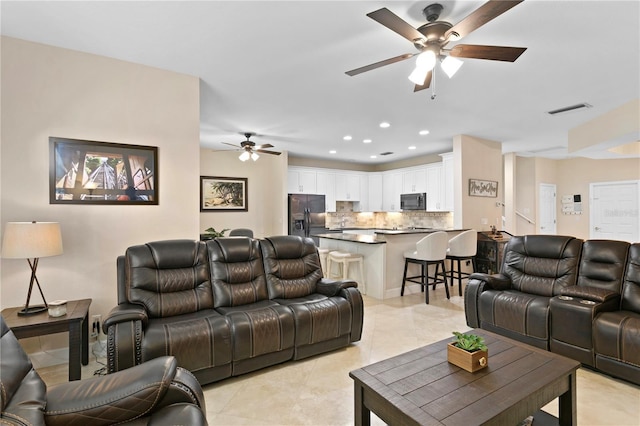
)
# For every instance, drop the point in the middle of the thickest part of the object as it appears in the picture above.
(345, 217)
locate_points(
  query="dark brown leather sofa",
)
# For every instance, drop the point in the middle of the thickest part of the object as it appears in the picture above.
(577, 298)
(157, 392)
(228, 306)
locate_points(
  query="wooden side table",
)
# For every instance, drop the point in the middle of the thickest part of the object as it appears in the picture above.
(76, 322)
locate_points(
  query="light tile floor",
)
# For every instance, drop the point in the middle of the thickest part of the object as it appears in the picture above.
(318, 391)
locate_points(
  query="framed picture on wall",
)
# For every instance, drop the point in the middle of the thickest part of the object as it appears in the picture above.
(91, 172)
(223, 194)
(483, 188)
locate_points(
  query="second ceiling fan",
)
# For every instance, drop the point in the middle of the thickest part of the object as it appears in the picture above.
(431, 38)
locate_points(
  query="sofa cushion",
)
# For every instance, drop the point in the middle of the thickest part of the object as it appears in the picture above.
(292, 266)
(542, 264)
(602, 264)
(168, 277)
(237, 273)
(631, 285)
(523, 313)
(198, 340)
(617, 335)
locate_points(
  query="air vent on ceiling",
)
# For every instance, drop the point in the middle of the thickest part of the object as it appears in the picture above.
(386, 153)
(569, 108)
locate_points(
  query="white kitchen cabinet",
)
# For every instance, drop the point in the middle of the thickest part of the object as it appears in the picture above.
(374, 191)
(434, 187)
(301, 181)
(326, 185)
(363, 204)
(414, 180)
(347, 187)
(391, 190)
(447, 181)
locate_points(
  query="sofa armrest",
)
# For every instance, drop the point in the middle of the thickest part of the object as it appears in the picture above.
(123, 313)
(594, 294)
(494, 281)
(124, 328)
(332, 288)
(114, 398)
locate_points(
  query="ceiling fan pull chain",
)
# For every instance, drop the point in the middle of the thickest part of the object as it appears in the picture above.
(433, 84)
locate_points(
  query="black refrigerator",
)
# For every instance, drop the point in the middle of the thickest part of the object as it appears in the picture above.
(306, 215)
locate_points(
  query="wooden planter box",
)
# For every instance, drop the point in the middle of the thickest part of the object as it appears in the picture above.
(470, 361)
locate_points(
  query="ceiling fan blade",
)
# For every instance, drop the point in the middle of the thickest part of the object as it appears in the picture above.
(230, 144)
(268, 152)
(426, 84)
(392, 21)
(481, 16)
(264, 145)
(379, 64)
(493, 53)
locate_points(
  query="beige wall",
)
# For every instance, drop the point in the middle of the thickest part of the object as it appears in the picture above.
(266, 187)
(48, 91)
(478, 159)
(344, 165)
(526, 195)
(621, 124)
(574, 177)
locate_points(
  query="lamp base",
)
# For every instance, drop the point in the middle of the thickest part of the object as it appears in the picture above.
(31, 310)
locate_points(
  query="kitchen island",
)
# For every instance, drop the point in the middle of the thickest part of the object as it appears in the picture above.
(383, 254)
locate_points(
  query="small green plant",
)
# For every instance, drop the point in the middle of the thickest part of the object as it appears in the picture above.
(214, 233)
(469, 342)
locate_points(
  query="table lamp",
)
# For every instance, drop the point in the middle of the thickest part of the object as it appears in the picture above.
(31, 241)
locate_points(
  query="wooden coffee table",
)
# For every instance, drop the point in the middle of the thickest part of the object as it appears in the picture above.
(421, 388)
(76, 322)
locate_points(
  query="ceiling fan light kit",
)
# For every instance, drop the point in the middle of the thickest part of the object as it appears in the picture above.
(250, 149)
(431, 38)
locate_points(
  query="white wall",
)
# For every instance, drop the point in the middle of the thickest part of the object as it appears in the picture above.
(48, 91)
(266, 187)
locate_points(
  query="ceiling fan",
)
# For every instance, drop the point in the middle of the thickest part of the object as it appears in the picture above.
(250, 149)
(431, 38)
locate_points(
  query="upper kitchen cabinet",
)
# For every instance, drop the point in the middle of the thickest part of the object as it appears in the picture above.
(326, 184)
(434, 187)
(348, 186)
(414, 180)
(301, 181)
(391, 190)
(447, 181)
(374, 190)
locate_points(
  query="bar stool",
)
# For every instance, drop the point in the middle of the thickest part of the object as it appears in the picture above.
(431, 250)
(323, 253)
(344, 260)
(462, 247)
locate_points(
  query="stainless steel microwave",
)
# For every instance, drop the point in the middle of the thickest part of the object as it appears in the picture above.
(413, 201)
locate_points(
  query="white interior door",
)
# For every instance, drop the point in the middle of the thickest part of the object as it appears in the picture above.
(547, 209)
(614, 210)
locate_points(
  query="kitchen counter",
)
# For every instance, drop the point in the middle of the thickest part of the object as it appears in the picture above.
(379, 235)
(383, 254)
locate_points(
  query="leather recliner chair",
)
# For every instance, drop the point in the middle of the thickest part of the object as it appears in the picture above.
(515, 303)
(157, 392)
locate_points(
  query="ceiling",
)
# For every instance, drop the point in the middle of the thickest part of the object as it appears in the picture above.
(278, 69)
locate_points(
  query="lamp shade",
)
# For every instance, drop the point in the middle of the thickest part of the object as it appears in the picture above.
(30, 240)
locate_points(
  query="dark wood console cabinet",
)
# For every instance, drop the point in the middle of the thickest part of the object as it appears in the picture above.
(490, 251)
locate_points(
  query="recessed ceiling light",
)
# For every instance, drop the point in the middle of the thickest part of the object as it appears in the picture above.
(423, 132)
(333, 151)
(366, 141)
(384, 124)
(374, 156)
(412, 147)
(347, 138)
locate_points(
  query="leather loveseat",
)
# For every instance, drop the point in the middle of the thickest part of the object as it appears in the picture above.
(576, 298)
(157, 392)
(228, 306)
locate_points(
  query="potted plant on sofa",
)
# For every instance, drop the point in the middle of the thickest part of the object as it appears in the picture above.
(468, 352)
